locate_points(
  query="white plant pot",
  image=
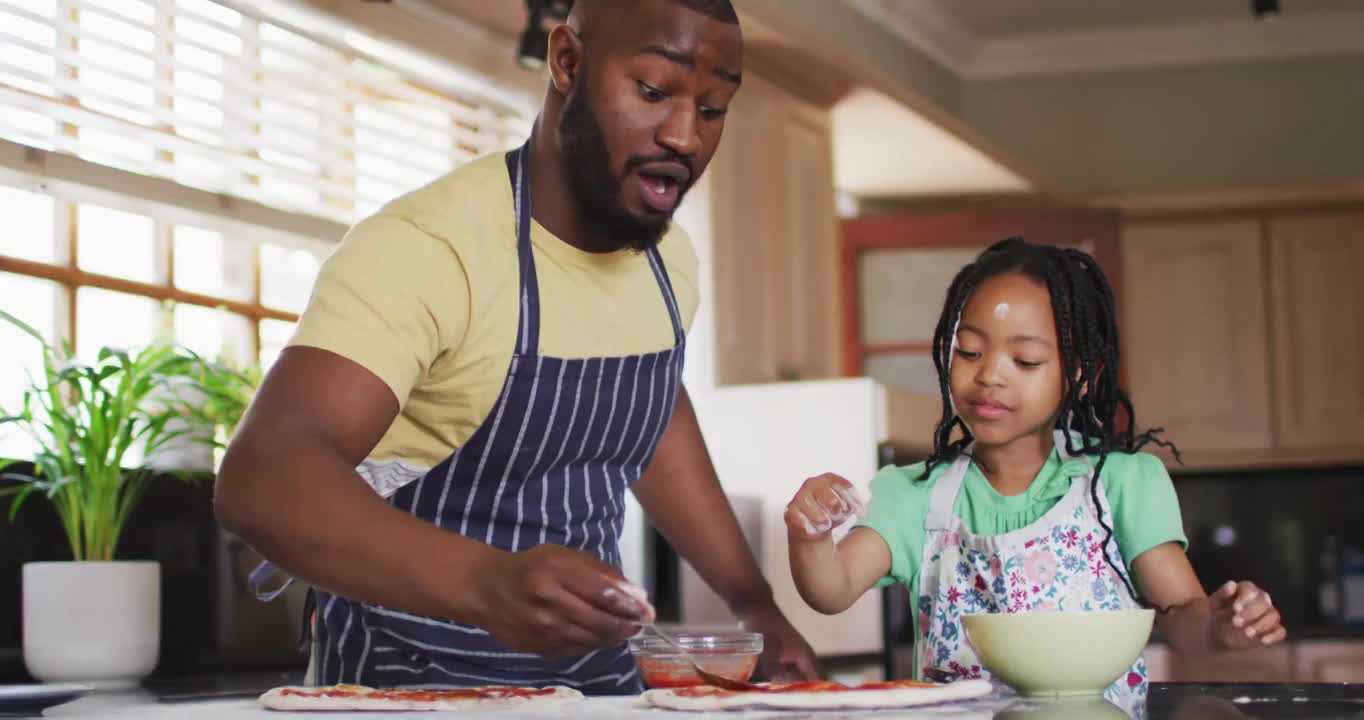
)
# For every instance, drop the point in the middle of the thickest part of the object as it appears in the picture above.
(94, 623)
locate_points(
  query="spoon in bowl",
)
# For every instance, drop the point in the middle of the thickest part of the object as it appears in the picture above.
(710, 678)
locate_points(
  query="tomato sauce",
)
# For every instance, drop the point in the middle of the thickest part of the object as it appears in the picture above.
(674, 671)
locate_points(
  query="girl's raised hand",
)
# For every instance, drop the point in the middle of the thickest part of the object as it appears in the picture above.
(1245, 617)
(822, 504)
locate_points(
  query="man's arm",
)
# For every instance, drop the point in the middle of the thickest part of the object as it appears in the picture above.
(684, 500)
(288, 487)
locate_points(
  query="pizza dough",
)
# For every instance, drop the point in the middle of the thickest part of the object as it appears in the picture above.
(818, 696)
(359, 697)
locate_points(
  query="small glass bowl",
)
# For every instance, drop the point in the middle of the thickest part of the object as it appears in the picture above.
(731, 655)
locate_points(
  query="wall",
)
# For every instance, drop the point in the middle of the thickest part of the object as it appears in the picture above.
(1239, 125)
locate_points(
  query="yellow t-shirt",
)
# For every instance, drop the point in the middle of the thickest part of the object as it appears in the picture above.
(424, 295)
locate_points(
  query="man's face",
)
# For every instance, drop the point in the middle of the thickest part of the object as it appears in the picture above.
(645, 116)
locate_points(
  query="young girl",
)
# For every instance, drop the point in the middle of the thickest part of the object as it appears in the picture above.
(1043, 503)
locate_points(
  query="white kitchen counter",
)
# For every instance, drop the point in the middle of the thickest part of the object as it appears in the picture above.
(144, 705)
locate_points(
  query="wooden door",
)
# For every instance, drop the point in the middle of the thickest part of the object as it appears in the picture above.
(1318, 321)
(1194, 334)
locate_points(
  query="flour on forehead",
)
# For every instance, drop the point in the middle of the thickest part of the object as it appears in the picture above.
(1002, 310)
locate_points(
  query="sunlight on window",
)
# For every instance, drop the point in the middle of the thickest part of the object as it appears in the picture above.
(198, 101)
(286, 277)
(118, 149)
(201, 172)
(296, 44)
(28, 225)
(218, 39)
(110, 26)
(29, 128)
(46, 8)
(274, 335)
(198, 260)
(115, 242)
(213, 333)
(289, 193)
(206, 264)
(134, 10)
(34, 302)
(209, 10)
(105, 318)
(115, 67)
(34, 32)
(196, 58)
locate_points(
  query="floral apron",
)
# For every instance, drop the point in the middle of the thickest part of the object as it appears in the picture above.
(1055, 564)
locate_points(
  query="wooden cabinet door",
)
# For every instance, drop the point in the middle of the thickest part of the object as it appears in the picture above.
(1318, 321)
(774, 240)
(807, 347)
(1194, 332)
(1330, 662)
(1258, 665)
(744, 214)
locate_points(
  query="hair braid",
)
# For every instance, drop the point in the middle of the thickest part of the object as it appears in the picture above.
(1084, 310)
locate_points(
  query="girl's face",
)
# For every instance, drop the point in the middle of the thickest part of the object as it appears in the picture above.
(1006, 368)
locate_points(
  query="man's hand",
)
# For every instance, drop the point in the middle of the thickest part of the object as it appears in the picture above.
(786, 656)
(551, 600)
(1244, 617)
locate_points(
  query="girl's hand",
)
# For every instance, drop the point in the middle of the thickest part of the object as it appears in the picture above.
(822, 504)
(1244, 617)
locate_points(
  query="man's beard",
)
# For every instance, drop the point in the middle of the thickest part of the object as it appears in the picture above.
(596, 190)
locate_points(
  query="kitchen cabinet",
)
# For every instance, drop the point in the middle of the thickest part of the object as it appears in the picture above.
(1243, 336)
(1330, 662)
(1318, 312)
(1194, 334)
(1273, 664)
(1304, 661)
(774, 230)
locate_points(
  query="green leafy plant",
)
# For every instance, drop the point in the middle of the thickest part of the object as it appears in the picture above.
(86, 418)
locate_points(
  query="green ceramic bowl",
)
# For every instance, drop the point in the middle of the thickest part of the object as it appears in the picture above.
(1059, 654)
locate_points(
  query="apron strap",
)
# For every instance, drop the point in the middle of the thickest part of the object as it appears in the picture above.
(944, 498)
(528, 321)
(666, 285)
(256, 581)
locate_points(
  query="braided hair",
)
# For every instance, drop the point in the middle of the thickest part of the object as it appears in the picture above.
(1087, 338)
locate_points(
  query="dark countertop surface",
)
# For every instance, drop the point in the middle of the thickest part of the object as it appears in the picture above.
(1216, 701)
(1176, 701)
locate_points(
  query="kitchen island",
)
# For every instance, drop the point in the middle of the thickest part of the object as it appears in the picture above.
(1168, 700)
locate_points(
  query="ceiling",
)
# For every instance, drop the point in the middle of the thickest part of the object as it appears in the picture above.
(882, 149)
(1015, 17)
(985, 39)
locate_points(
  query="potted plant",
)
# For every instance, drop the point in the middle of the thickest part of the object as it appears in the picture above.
(96, 619)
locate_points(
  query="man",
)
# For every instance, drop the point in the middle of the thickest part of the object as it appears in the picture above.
(487, 365)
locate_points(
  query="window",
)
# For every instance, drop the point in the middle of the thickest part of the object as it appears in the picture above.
(203, 94)
(218, 104)
(97, 271)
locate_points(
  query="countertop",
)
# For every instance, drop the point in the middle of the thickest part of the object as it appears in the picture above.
(1168, 700)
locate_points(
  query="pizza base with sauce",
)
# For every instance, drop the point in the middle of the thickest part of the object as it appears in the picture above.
(818, 696)
(359, 697)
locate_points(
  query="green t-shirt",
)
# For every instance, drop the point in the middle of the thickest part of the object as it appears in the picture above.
(1139, 490)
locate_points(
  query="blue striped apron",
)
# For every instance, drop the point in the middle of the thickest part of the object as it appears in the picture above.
(550, 464)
